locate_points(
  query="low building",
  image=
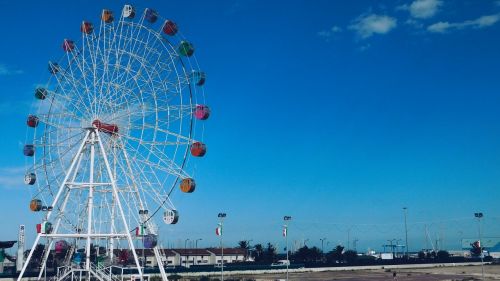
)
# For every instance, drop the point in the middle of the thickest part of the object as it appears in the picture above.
(189, 257)
(230, 255)
(186, 257)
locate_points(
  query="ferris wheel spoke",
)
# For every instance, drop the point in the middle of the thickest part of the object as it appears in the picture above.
(152, 189)
(78, 58)
(75, 84)
(76, 104)
(164, 163)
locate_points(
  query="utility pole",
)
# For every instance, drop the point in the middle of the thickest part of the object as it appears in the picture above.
(479, 216)
(322, 241)
(187, 256)
(248, 248)
(196, 242)
(406, 232)
(221, 217)
(355, 243)
(285, 233)
(348, 238)
(196, 247)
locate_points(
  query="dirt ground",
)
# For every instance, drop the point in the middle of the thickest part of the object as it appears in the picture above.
(459, 273)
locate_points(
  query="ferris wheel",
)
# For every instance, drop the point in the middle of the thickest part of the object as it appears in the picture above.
(111, 135)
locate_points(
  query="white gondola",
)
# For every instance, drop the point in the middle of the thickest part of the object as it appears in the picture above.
(171, 216)
(128, 12)
(30, 178)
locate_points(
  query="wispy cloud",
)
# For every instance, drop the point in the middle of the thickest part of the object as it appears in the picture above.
(5, 70)
(422, 9)
(481, 22)
(368, 25)
(14, 107)
(12, 177)
(328, 34)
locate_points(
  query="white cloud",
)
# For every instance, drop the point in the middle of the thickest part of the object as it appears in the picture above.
(439, 27)
(423, 9)
(12, 177)
(481, 22)
(4, 70)
(414, 23)
(367, 25)
(328, 34)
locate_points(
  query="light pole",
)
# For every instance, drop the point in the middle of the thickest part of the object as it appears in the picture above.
(285, 233)
(405, 210)
(322, 242)
(479, 216)
(221, 217)
(187, 256)
(398, 246)
(196, 247)
(248, 248)
(349, 238)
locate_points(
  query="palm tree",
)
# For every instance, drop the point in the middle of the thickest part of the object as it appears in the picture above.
(243, 244)
(258, 252)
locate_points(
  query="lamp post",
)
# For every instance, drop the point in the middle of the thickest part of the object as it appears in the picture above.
(398, 246)
(405, 210)
(221, 217)
(196, 242)
(349, 238)
(285, 233)
(322, 241)
(187, 256)
(248, 248)
(196, 247)
(479, 216)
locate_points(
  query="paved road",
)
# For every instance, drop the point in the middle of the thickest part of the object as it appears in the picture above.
(356, 276)
(458, 273)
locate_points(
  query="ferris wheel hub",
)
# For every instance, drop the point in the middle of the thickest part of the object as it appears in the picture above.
(105, 127)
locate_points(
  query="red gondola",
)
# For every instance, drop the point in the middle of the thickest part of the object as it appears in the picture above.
(170, 28)
(68, 45)
(32, 121)
(86, 27)
(202, 112)
(198, 149)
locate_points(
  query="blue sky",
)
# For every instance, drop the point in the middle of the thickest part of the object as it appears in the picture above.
(338, 113)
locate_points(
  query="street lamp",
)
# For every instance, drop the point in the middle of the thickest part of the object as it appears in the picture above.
(322, 241)
(248, 249)
(405, 210)
(479, 216)
(187, 256)
(285, 233)
(196, 242)
(221, 217)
